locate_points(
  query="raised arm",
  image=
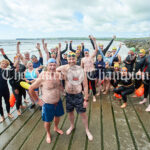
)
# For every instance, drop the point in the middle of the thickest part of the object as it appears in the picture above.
(70, 47)
(58, 55)
(96, 48)
(5, 56)
(117, 50)
(92, 41)
(82, 44)
(108, 46)
(62, 52)
(39, 50)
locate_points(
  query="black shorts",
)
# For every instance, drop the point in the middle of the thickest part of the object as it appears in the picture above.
(75, 101)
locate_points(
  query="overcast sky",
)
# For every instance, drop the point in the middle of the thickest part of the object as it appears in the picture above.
(74, 18)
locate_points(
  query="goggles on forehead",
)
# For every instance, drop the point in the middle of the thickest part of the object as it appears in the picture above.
(71, 55)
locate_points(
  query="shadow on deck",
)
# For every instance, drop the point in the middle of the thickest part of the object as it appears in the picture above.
(113, 128)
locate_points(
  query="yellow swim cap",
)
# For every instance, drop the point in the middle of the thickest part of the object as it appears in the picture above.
(142, 51)
(114, 48)
(116, 65)
(79, 46)
(100, 45)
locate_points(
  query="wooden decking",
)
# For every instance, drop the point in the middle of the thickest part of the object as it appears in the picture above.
(113, 128)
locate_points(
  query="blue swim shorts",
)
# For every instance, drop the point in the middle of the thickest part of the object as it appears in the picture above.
(49, 111)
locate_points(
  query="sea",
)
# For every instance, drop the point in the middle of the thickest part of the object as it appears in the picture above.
(29, 45)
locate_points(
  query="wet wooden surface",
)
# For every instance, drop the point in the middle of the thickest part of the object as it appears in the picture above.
(113, 128)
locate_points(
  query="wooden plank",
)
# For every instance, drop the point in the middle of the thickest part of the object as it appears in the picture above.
(8, 122)
(66, 139)
(17, 125)
(80, 139)
(125, 139)
(95, 126)
(137, 128)
(24, 132)
(110, 142)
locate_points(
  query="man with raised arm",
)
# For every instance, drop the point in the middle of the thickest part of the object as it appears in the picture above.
(74, 79)
(87, 64)
(51, 103)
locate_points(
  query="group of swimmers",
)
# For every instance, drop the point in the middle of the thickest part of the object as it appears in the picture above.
(72, 74)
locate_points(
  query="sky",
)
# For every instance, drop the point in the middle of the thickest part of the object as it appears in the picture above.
(74, 18)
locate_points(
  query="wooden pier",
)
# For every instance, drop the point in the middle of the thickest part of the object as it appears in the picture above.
(113, 128)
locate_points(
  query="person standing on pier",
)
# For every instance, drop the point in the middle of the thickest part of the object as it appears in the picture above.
(51, 103)
(75, 77)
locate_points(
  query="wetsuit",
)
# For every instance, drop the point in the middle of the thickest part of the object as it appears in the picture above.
(22, 68)
(16, 78)
(115, 78)
(100, 67)
(129, 62)
(5, 74)
(4, 91)
(147, 78)
(139, 65)
(126, 87)
(82, 51)
(105, 49)
(116, 59)
(109, 59)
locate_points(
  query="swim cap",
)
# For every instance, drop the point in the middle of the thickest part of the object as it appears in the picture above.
(33, 56)
(142, 51)
(51, 60)
(124, 69)
(86, 50)
(65, 54)
(116, 65)
(114, 48)
(100, 45)
(79, 46)
(132, 49)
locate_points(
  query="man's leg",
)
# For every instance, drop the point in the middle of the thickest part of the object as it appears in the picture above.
(71, 118)
(85, 122)
(47, 127)
(56, 122)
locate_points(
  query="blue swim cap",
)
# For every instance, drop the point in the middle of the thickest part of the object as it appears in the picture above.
(51, 60)
(86, 50)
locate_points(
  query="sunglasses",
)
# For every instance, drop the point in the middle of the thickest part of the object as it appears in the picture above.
(73, 55)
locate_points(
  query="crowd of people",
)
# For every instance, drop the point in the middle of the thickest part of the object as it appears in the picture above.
(72, 73)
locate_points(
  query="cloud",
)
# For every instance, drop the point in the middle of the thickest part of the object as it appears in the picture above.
(99, 17)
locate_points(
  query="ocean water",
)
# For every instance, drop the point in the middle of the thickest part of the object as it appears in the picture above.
(30, 45)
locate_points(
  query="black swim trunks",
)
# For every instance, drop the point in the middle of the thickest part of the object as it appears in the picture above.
(75, 101)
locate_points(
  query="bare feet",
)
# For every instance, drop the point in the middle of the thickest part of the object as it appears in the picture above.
(98, 94)
(48, 139)
(10, 116)
(69, 130)
(148, 108)
(58, 131)
(143, 101)
(104, 92)
(134, 96)
(23, 107)
(89, 135)
(18, 112)
(94, 99)
(2, 119)
(124, 105)
(26, 101)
